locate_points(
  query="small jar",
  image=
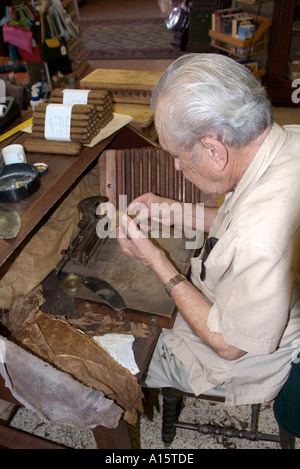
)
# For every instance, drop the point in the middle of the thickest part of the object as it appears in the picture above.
(70, 284)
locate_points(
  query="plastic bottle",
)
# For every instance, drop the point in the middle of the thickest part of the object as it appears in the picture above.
(36, 95)
(39, 87)
(35, 98)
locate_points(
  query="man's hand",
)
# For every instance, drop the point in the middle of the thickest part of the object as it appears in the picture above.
(170, 212)
(160, 209)
(135, 244)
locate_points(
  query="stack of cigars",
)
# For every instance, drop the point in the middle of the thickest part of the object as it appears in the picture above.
(86, 122)
(100, 99)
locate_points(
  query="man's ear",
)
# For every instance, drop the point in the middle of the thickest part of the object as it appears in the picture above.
(217, 152)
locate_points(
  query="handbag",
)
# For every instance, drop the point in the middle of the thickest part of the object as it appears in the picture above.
(33, 56)
(17, 31)
(54, 47)
(17, 36)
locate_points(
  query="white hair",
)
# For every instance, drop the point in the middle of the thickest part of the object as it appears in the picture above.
(202, 93)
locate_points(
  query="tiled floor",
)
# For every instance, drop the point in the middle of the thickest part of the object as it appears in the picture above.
(147, 433)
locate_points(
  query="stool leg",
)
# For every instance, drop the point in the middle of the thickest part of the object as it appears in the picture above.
(168, 417)
(254, 417)
(287, 441)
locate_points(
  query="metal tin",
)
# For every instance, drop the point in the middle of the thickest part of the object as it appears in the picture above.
(41, 167)
(70, 284)
(10, 222)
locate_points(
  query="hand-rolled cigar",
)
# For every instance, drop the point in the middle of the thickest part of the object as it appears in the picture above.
(102, 102)
(74, 130)
(95, 94)
(107, 120)
(74, 137)
(37, 145)
(74, 116)
(96, 102)
(77, 108)
(114, 221)
(104, 119)
(103, 108)
(104, 115)
(56, 100)
(85, 124)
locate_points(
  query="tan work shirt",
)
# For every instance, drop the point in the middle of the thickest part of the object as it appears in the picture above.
(250, 280)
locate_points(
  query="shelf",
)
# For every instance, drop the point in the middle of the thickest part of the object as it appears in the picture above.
(260, 73)
(255, 45)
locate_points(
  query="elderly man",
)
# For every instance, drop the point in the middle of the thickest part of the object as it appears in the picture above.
(239, 320)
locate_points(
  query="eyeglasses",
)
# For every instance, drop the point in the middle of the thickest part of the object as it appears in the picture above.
(208, 247)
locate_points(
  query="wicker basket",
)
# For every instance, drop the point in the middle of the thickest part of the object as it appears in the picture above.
(255, 45)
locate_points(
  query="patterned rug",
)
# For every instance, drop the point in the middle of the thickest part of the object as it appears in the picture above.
(128, 39)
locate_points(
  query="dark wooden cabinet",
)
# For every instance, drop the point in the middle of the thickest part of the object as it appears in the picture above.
(279, 87)
(199, 25)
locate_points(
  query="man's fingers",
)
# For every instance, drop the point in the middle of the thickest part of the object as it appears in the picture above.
(138, 209)
(130, 227)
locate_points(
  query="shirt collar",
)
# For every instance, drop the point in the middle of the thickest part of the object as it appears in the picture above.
(260, 163)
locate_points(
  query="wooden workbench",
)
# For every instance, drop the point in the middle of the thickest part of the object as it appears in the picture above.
(63, 173)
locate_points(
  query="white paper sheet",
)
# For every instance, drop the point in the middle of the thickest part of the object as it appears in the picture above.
(58, 122)
(75, 96)
(119, 346)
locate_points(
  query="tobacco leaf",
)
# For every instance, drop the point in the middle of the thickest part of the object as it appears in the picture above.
(72, 351)
(95, 324)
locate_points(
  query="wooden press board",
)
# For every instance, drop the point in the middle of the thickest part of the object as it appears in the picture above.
(131, 79)
(126, 86)
(142, 114)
